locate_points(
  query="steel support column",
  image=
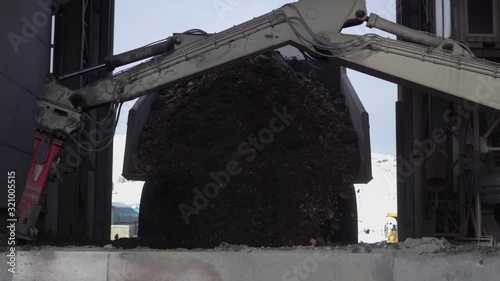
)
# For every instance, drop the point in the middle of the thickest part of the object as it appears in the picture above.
(410, 190)
(83, 37)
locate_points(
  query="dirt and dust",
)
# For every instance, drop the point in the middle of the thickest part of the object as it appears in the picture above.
(426, 245)
(254, 153)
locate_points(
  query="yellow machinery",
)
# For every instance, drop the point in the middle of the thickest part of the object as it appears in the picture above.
(391, 228)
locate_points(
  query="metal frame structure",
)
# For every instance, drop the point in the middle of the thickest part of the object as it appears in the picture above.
(465, 206)
(441, 67)
(483, 45)
(80, 206)
(494, 14)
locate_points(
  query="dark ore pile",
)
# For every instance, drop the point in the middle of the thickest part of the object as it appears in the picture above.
(253, 154)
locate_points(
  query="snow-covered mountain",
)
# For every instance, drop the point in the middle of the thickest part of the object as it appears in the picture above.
(124, 191)
(377, 198)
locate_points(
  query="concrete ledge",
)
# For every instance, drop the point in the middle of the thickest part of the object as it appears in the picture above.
(250, 265)
(52, 264)
(442, 267)
(242, 264)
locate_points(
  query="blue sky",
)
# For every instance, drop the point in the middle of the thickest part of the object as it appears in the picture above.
(140, 23)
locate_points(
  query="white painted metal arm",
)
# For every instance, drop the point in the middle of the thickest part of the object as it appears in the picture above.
(258, 35)
(313, 26)
(431, 70)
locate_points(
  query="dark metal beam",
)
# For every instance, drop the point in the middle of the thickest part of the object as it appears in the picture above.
(84, 37)
(411, 13)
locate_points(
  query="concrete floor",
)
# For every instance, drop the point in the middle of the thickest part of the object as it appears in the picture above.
(422, 260)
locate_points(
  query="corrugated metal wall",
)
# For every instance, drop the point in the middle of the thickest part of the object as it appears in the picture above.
(24, 61)
(80, 207)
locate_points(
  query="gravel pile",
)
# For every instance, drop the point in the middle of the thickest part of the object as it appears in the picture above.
(254, 154)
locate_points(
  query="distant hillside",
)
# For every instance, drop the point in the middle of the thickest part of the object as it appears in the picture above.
(128, 192)
(377, 198)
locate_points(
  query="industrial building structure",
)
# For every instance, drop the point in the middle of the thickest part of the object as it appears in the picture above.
(66, 36)
(448, 165)
(448, 173)
(445, 188)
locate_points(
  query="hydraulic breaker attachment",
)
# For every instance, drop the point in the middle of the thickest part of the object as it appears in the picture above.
(47, 151)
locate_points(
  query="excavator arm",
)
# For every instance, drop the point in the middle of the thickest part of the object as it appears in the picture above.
(435, 65)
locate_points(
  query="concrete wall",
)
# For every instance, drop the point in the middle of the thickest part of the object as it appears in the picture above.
(242, 264)
(25, 27)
